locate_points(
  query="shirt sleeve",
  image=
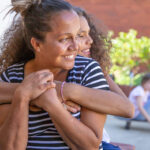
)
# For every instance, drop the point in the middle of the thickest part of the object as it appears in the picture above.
(138, 91)
(94, 77)
(4, 77)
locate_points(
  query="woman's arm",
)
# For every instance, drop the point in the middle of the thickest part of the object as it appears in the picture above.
(85, 134)
(7, 91)
(14, 127)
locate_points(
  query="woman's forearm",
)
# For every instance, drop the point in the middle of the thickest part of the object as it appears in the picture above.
(75, 133)
(102, 101)
(7, 91)
(14, 129)
(80, 136)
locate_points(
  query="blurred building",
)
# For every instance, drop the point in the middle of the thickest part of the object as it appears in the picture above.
(120, 15)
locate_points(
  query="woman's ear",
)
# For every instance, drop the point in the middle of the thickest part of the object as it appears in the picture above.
(35, 44)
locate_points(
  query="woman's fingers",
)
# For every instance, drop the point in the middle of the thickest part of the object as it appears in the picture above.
(48, 85)
(38, 82)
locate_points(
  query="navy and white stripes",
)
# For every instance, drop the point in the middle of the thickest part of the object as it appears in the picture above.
(42, 132)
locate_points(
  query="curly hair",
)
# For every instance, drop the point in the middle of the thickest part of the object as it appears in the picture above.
(101, 44)
(33, 22)
(13, 47)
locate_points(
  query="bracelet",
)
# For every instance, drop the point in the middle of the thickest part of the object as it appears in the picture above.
(61, 91)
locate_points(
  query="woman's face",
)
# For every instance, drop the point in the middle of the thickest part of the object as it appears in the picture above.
(60, 46)
(85, 39)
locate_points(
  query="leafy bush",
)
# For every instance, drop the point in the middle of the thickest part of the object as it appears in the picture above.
(128, 53)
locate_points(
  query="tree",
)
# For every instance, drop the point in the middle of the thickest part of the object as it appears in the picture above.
(128, 54)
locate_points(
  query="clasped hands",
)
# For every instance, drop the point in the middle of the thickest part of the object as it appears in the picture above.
(38, 84)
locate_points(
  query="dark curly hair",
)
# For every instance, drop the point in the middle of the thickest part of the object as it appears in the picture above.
(145, 78)
(101, 44)
(31, 20)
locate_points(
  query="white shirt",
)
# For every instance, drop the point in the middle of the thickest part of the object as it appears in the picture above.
(138, 91)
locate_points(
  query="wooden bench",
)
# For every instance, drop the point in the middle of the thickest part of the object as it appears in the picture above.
(126, 89)
(124, 146)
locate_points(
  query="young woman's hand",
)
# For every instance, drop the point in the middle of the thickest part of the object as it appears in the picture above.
(70, 105)
(35, 84)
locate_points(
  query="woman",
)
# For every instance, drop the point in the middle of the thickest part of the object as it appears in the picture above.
(51, 30)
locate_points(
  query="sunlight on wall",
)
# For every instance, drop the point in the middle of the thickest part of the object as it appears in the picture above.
(4, 22)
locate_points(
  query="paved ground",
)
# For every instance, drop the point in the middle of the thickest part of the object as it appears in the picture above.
(138, 135)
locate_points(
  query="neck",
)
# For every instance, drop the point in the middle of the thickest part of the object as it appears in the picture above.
(33, 66)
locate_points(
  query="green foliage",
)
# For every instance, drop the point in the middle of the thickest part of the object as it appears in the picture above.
(127, 53)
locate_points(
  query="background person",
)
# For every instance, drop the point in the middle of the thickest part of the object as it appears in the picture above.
(139, 96)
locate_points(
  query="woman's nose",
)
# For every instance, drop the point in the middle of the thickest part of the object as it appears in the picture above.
(74, 45)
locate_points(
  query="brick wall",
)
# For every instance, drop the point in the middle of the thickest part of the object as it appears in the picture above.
(120, 15)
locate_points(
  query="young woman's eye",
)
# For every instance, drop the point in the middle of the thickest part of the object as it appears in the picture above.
(81, 35)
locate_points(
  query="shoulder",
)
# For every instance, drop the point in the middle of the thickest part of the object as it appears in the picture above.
(13, 73)
(92, 75)
(87, 63)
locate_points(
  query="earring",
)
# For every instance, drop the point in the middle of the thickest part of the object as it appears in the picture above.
(38, 49)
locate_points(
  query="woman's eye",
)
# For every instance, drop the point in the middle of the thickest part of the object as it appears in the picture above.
(64, 39)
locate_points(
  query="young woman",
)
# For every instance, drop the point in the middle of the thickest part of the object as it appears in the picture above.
(97, 47)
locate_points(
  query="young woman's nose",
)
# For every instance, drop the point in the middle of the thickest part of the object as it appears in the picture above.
(89, 40)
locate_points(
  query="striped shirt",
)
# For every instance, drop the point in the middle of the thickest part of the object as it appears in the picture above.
(42, 133)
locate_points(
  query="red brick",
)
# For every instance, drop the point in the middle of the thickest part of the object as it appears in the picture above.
(120, 15)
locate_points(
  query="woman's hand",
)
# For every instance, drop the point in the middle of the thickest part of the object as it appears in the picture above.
(35, 84)
(47, 99)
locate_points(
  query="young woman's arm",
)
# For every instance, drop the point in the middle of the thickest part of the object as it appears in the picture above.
(101, 101)
(98, 100)
(114, 87)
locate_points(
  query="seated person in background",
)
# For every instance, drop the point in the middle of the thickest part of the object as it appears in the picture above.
(139, 96)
